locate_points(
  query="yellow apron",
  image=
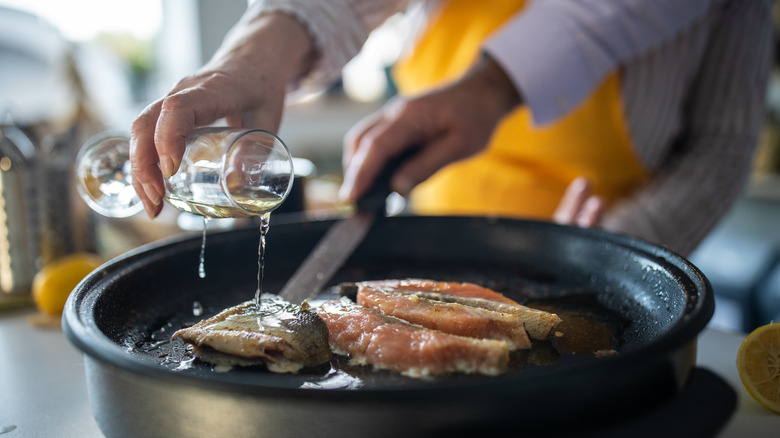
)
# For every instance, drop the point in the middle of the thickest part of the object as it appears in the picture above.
(525, 170)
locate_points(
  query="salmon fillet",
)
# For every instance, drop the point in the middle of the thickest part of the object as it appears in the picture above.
(386, 342)
(282, 335)
(538, 323)
(453, 318)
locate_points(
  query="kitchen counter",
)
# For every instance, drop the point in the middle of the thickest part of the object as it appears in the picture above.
(42, 382)
(43, 388)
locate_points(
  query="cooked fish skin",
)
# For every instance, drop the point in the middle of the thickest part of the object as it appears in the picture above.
(453, 318)
(284, 336)
(538, 323)
(385, 342)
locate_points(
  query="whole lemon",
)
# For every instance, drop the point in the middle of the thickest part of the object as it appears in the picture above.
(52, 284)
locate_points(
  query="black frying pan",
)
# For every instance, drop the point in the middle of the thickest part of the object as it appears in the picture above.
(654, 302)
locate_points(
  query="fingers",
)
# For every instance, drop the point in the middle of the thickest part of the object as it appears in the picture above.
(157, 144)
(355, 135)
(446, 124)
(571, 202)
(591, 212)
(146, 176)
(372, 151)
(174, 124)
(379, 138)
(578, 206)
(441, 136)
(159, 133)
(196, 101)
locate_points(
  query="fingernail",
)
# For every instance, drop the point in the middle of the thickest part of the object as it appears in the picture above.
(584, 184)
(152, 193)
(345, 190)
(150, 213)
(166, 166)
(347, 185)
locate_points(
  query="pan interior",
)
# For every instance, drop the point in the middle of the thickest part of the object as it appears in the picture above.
(629, 288)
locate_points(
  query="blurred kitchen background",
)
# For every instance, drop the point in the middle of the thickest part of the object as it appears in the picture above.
(71, 69)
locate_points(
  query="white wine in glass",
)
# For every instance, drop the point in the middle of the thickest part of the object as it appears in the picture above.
(225, 172)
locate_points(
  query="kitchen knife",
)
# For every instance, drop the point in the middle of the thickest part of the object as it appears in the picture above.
(341, 239)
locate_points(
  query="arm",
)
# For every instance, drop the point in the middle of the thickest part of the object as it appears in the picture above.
(338, 29)
(558, 51)
(712, 159)
(582, 41)
(245, 83)
(275, 44)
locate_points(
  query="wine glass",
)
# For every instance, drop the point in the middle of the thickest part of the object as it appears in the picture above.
(225, 172)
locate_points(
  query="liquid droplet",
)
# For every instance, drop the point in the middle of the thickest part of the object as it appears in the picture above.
(185, 364)
(335, 379)
(197, 308)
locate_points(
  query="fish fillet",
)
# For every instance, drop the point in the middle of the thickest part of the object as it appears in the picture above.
(538, 323)
(385, 342)
(284, 336)
(454, 318)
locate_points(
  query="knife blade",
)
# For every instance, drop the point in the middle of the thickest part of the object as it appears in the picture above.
(341, 239)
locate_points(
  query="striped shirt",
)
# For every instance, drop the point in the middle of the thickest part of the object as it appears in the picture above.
(694, 76)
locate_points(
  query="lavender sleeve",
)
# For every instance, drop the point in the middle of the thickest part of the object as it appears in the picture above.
(558, 51)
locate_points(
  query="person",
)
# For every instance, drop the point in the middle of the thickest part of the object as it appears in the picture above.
(637, 116)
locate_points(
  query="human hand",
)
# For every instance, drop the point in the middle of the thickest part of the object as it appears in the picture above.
(245, 83)
(447, 124)
(579, 206)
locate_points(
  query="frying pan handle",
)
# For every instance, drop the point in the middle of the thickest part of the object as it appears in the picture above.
(374, 199)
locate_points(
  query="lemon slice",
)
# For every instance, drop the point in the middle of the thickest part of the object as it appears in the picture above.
(52, 284)
(758, 364)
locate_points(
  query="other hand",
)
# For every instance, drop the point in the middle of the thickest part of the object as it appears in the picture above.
(579, 206)
(447, 124)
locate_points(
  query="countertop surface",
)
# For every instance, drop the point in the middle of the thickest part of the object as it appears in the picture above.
(43, 385)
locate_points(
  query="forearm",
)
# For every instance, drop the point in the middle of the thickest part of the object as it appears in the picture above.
(273, 39)
(336, 28)
(492, 84)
